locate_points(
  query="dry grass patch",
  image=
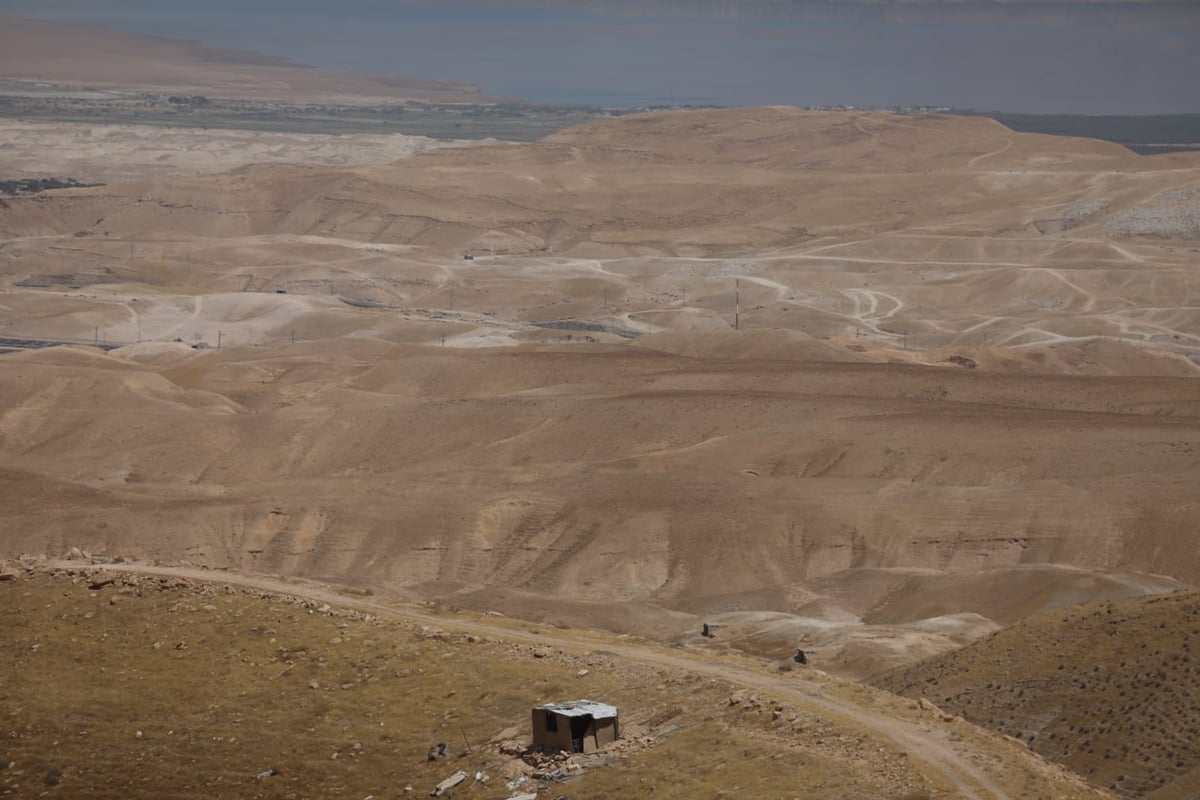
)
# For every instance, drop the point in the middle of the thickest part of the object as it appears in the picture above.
(1110, 690)
(154, 687)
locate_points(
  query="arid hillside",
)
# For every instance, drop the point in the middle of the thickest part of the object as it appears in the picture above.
(190, 684)
(109, 153)
(43, 53)
(1110, 690)
(833, 380)
(915, 233)
(631, 485)
(733, 182)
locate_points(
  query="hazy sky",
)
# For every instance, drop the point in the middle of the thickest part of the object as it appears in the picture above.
(1049, 57)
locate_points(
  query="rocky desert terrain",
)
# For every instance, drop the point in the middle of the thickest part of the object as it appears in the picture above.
(1108, 689)
(873, 386)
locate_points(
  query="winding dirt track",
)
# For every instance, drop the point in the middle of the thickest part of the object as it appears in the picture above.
(928, 746)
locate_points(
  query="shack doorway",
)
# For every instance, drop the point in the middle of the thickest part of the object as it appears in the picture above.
(580, 727)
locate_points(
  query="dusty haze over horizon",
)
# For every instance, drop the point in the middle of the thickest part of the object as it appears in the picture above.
(1064, 57)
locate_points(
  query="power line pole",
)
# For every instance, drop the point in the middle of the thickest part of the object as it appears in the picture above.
(220, 333)
(737, 304)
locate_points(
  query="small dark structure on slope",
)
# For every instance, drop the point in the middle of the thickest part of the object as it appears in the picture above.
(578, 726)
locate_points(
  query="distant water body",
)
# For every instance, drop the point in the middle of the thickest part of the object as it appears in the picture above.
(1067, 58)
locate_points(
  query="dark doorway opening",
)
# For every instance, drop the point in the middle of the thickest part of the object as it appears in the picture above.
(579, 729)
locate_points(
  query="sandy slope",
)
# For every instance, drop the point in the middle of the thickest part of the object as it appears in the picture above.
(119, 153)
(1107, 689)
(43, 52)
(950, 236)
(614, 474)
(956, 372)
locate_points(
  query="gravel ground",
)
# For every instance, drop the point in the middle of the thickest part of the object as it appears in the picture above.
(1180, 221)
(1081, 212)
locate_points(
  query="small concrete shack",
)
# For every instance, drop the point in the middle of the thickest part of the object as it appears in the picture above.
(577, 726)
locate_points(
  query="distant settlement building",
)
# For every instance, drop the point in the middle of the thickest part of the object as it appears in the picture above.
(578, 726)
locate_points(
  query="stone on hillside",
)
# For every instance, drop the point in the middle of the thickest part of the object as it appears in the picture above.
(101, 579)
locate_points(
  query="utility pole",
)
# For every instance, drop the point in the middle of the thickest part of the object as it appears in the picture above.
(737, 304)
(220, 333)
(683, 302)
(293, 335)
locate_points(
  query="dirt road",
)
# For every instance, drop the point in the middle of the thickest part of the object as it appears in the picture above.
(929, 746)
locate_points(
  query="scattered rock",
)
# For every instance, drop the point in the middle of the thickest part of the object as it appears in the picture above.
(101, 579)
(963, 361)
(427, 632)
(512, 747)
(925, 705)
(53, 777)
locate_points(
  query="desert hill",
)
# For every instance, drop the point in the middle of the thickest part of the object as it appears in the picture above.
(834, 491)
(925, 233)
(195, 686)
(46, 52)
(953, 371)
(120, 153)
(1110, 690)
(689, 183)
(877, 387)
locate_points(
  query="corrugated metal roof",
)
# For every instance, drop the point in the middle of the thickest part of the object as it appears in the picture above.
(581, 708)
